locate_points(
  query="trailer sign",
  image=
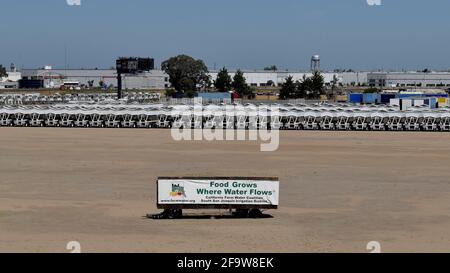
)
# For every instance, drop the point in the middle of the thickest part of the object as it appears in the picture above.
(218, 192)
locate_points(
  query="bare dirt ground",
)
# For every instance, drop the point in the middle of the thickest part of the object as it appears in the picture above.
(339, 190)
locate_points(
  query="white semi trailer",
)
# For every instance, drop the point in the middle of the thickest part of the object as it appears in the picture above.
(243, 196)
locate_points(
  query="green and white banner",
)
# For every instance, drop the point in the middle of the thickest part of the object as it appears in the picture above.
(218, 192)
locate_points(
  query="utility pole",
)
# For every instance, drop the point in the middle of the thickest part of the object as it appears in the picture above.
(119, 85)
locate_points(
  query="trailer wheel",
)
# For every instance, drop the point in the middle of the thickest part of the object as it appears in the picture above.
(168, 214)
(255, 213)
(176, 214)
(241, 213)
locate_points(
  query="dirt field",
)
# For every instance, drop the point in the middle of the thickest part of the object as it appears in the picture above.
(339, 190)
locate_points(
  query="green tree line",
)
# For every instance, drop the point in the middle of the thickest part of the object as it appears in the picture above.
(188, 75)
(307, 88)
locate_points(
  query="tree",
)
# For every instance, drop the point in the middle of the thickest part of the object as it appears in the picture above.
(3, 72)
(186, 85)
(240, 85)
(271, 68)
(371, 90)
(189, 94)
(300, 91)
(186, 73)
(170, 92)
(318, 83)
(288, 89)
(313, 86)
(223, 81)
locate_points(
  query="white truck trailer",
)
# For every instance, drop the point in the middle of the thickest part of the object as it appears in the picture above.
(243, 196)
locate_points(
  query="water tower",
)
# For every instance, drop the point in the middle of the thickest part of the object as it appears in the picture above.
(315, 63)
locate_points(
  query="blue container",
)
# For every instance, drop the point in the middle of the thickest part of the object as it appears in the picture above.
(355, 98)
(370, 98)
(214, 95)
(436, 95)
(386, 98)
(433, 103)
(405, 96)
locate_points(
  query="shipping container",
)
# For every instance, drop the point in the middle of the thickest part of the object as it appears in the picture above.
(409, 95)
(266, 97)
(443, 95)
(419, 102)
(442, 100)
(405, 104)
(355, 98)
(394, 102)
(386, 98)
(370, 98)
(433, 103)
(422, 101)
(341, 98)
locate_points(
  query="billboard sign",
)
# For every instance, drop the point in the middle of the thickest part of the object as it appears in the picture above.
(134, 65)
(219, 192)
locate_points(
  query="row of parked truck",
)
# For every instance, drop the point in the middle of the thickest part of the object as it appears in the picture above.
(377, 120)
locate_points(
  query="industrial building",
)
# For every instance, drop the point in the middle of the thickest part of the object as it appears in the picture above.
(409, 79)
(11, 80)
(158, 79)
(54, 78)
(48, 77)
(276, 78)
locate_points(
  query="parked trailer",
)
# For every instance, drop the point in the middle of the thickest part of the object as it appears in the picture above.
(413, 121)
(52, 120)
(361, 121)
(5, 119)
(242, 196)
(287, 117)
(379, 121)
(396, 121)
(431, 121)
(444, 124)
(328, 121)
(312, 120)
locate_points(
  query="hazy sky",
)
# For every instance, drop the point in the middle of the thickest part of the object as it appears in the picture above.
(248, 34)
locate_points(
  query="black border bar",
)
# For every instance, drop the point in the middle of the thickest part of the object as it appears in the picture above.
(170, 262)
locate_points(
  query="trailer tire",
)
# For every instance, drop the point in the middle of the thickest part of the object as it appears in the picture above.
(255, 213)
(241, 213)
(176, 214)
